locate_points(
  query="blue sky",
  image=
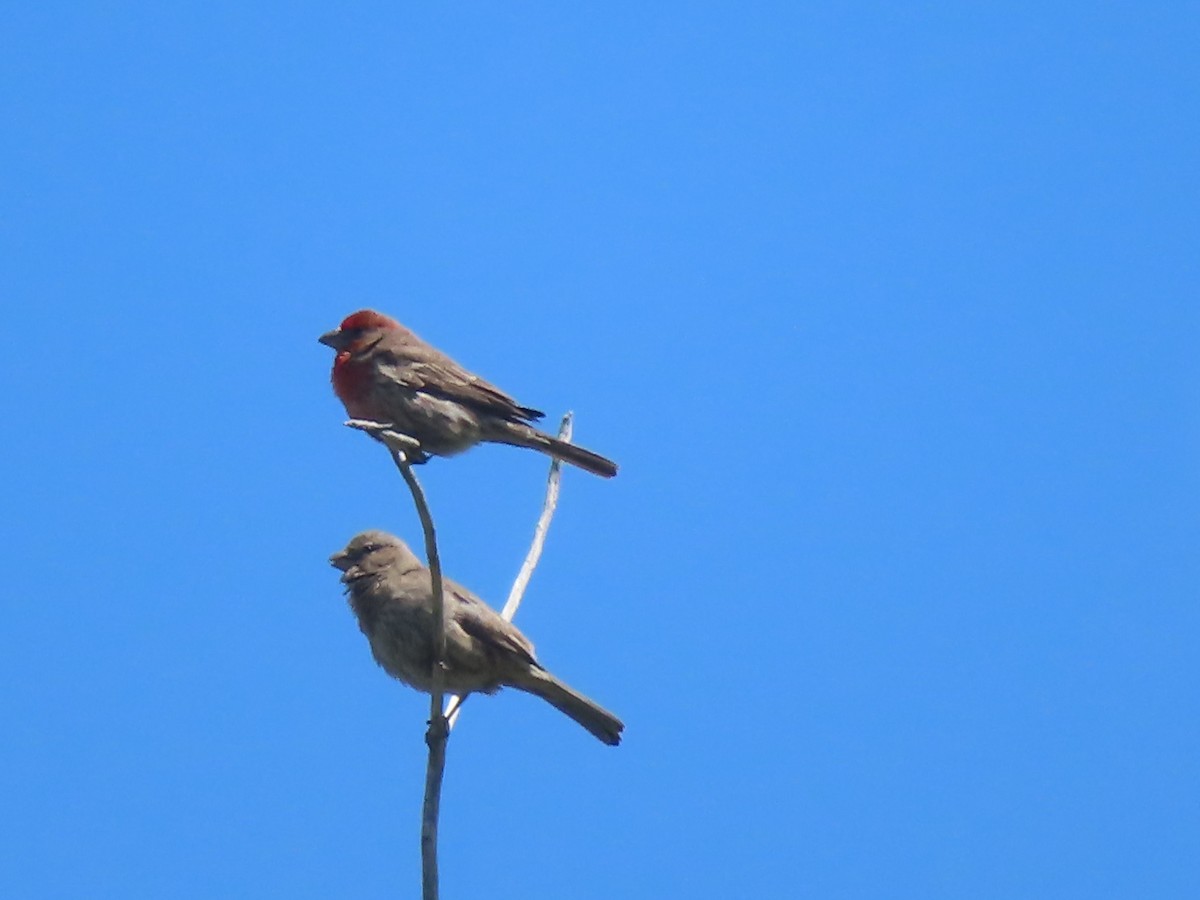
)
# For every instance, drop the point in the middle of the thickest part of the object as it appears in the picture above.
(889, 313)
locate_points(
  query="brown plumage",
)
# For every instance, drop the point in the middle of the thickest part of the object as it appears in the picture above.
(385, 373)
(391, 594)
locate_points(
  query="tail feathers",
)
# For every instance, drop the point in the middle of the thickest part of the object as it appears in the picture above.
(577, 456)
(521, 435)
(596, 719)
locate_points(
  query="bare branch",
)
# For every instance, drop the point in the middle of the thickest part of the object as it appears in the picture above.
(405, 450)
(454, 703)
(543, 525)
(439, 728)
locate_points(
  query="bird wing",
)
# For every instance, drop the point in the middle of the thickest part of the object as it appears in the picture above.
(484, 624)
(440, 376)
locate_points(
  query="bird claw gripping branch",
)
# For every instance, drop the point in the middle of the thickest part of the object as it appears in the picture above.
(396, 441)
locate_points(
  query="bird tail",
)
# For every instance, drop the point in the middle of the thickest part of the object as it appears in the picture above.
(596, 719)
(521, 435)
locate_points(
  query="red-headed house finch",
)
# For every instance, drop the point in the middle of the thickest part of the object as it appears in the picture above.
(385, 373)
(391, 594)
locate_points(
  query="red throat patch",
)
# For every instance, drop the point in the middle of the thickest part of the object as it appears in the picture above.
(352, 384)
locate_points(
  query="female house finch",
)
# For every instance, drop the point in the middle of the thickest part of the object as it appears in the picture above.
(391, 594)
(385, 373)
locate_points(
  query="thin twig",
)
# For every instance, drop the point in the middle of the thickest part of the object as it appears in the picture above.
(543, 525)
(439, 729)
(402, 448)
(454, 704)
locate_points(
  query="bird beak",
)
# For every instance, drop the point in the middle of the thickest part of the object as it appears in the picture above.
(332, 339)
(340, 560)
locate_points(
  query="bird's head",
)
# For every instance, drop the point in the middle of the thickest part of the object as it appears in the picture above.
(371, 552)
(355, 327)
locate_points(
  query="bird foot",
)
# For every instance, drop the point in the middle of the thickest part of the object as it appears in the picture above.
(396, 441)
(439, 730)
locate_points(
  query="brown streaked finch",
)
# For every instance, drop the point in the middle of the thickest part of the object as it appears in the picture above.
(391, 594)
(384, 373)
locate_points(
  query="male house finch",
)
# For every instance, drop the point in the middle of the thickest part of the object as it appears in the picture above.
(385, 373)
(391, 593)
